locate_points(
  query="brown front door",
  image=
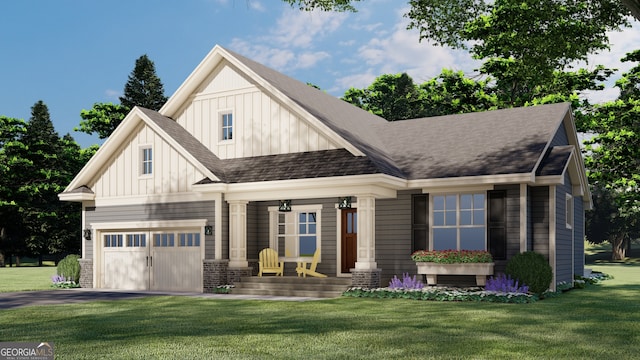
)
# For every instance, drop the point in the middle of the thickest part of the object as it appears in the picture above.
(349, 239)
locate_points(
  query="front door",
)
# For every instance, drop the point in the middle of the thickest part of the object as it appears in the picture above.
(349, 242)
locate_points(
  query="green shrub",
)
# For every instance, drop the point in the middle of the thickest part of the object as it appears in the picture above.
(69, 267)
(531, 269)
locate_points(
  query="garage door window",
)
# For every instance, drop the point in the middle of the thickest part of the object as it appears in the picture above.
(164, 240)
(136, 240)
(189, 239)
(113, 240)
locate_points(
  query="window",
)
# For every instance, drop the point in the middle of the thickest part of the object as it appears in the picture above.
(136, 240)
(189, 239)
(164, 240)
(459, 222)
(297, 232)
(226, 120)
(147, 161)
(113, 240)
(569, 211)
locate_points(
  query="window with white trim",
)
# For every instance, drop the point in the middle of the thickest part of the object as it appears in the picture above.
(226, 126)
(136, 240)
(569, 211)
(146, 160)
(113, 240)
(458, 222)
(297, 232)
(189, 239)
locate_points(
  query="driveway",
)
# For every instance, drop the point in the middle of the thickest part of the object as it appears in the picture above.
(68, 296)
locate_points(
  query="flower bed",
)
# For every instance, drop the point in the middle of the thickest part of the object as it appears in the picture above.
(442, 294)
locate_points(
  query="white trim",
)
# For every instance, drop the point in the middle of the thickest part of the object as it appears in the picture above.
(552, 234)
(378, 185)
(458, 226)
(224, 93)
(339, 273)
(137, 225)
(76, 196)
(569, 210)
(433, 184)
(221, 113)
(154, 199)
(141, 162)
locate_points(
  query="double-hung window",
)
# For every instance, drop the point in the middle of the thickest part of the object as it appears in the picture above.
(226, 126)
(146, 160)
(459, 222)
(296, 234)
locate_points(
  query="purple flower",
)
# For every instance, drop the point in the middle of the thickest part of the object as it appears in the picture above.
(407, 283)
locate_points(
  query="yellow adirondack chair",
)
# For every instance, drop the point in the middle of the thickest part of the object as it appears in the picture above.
(268, 262)
(301, 269)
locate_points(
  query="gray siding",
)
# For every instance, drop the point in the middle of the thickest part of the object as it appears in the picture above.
(153, 212)
(560, 138)
(539, 212)
(513, 224)
(393, 236)
(564, 235)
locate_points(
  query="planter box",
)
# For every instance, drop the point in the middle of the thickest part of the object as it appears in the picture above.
(432, 270)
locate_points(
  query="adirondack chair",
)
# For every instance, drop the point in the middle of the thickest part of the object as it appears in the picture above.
(301, 269)
(269, 263)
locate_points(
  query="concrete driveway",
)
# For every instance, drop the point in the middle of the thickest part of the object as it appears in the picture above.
(69, 296)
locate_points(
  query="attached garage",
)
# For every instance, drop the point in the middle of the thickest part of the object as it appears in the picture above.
(150, 257)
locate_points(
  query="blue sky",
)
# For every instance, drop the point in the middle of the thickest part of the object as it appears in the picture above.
(72, 54)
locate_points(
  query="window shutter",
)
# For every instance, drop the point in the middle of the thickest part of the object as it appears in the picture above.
(497, 224)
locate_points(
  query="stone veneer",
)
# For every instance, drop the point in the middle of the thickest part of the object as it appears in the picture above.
(235, 274)
(86, 273)
(214, 274)
(369, 279)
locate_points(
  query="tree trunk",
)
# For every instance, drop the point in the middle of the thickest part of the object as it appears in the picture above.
(618, 248)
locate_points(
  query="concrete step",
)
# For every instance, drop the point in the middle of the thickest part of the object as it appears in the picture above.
(292, 286)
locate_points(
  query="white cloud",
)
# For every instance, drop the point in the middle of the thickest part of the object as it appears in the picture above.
(309, 59)
(301, 28)
(257, 5)
(113, 94)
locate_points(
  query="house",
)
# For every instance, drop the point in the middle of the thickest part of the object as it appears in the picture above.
(242, 158)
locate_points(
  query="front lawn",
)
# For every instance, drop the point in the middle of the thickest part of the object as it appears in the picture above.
(602, 321)
(26, 278)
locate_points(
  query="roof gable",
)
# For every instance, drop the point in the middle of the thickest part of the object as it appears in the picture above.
(194, 152)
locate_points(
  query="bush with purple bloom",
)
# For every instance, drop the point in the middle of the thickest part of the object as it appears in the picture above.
(505, 284)
(407, 283)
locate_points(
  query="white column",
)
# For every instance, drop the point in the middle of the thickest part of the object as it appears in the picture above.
(238, 234)
(366, 233)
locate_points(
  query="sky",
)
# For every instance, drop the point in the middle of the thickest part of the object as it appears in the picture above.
(72, 53)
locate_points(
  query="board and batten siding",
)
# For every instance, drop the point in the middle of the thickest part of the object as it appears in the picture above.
(153, 212)
(122, 177)
(564, 235)
(261, 124)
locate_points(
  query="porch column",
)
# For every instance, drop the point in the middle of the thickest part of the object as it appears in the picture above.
(366, 273)
(366, 233)
(238, 234)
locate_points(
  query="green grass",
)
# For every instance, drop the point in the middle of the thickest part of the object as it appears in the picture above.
(602, 321)
(26, 278)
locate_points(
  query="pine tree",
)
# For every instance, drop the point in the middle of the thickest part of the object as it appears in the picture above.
(144, 87)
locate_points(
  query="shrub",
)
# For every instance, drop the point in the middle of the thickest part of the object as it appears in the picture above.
(532, 269)
(69, 268)
(505, 284)
(407, 283)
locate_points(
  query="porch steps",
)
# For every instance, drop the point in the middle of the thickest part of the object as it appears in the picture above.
(292, 286)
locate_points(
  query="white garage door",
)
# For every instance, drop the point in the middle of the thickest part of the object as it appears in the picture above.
(168, 260)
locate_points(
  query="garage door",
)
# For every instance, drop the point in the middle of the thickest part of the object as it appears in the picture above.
(169, 260)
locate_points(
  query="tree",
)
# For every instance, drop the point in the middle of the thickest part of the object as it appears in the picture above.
(324, 5)
(613, 154)
(36, 167)
(393, 97)
(453, 93)
(143, 88)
